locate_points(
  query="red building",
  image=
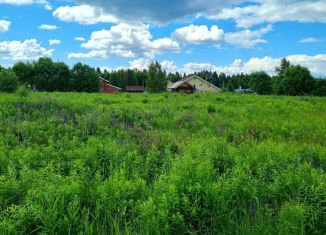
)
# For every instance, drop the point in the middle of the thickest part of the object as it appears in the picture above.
(106, 87)
(135, 89)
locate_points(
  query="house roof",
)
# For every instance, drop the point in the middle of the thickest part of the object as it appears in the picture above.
(186, 79)
(107, 83)
(135, 88)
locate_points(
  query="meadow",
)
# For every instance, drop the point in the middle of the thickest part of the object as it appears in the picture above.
(73, 163)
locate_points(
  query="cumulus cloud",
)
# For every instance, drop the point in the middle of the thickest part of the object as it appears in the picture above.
(159, 11)
(91, 54)
(83, 14)
(54, 42)
(126, 40)
(309, 40)
(140, 64)
(247, 38)
(272, 11)
(316, 64)
(46, 4)
(194, 34)
(23, 50)
(4, 25)
(81, 39)
(48, 27)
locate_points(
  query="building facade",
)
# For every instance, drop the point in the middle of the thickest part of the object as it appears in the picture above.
(106, 87)
(193, 84)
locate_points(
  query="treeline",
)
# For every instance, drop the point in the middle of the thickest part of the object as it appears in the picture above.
(290, 80)
(46, 75)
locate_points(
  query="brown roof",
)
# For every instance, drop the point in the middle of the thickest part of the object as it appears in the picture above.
(135, 88)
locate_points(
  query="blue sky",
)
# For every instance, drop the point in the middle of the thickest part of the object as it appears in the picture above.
(229, 36)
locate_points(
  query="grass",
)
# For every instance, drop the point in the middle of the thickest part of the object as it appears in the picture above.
(162, 164)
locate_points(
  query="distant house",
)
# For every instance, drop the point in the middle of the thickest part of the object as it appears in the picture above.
(244, 91)
(193, 84)
(135, 89)
(106, 87)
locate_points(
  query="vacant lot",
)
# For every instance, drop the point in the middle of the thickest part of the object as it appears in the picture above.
(162, 164)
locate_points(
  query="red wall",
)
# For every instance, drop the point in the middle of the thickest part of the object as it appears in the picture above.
(107, 89)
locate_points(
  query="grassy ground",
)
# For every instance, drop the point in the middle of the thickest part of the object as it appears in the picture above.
(162, 164)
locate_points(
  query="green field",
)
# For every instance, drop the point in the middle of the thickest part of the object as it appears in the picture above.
(162, 164)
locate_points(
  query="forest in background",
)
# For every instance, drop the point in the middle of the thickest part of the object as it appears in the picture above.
(46, 75)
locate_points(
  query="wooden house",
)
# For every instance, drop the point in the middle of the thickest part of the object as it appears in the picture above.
(106, 87)
(193, 84)
(135, 89)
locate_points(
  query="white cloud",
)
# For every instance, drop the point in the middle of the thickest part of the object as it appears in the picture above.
(23, 50)
(194, 34)
(247, 38)
(316, 64)
(126, 41)
(48, 27)
(91, 54)
(140, 64)
(54, 42)
(81, 39)
(83, 14)
(309, 40)
(169, 66)
(46, 5)
(4, 25)
(272, 11)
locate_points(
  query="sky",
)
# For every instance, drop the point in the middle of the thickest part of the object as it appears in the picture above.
(230, 36)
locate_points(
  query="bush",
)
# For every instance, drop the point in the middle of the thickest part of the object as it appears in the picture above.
(211, 109)
(8, 81)
(22, 91)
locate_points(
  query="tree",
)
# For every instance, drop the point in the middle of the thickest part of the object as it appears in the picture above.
(25, 73)
(156, 81)
(230, 85)
(297, 81)
(261, 82)
(320, 87)
(84, 78)
(44, 74)
(61, 77)
(285, 64)
(8, 81)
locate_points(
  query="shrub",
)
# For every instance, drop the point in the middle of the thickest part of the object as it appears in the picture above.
(22, 91)
(8, 81)
(211, 109)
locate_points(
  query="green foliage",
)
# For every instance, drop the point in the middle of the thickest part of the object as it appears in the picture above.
(156, 81)
(230, 85)
(23, 91)
(261, 82)
(280, 71)
(84, 78)
(73, 163)
(25, 73)
(297, 81)
(8, 81)
(320, 87)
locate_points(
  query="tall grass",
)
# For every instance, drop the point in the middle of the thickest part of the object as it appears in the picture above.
(162, 164)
